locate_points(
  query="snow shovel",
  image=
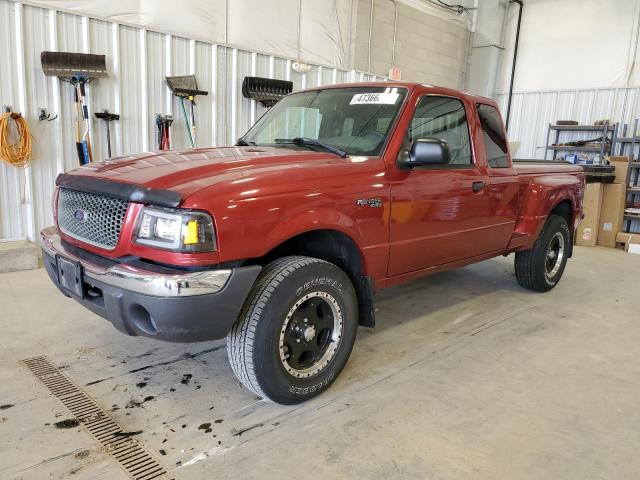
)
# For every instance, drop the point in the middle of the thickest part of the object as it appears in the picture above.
(77, 69)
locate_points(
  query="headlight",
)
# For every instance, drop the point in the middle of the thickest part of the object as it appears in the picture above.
(177, 230)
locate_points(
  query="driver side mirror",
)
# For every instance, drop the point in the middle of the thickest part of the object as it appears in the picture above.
(425, 152)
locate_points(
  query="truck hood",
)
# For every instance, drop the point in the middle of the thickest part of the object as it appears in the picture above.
(227, 168)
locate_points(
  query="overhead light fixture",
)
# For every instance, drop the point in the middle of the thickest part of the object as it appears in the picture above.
(300, 67)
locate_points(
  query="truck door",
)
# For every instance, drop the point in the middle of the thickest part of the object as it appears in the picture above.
(503, 179)
(439, 214)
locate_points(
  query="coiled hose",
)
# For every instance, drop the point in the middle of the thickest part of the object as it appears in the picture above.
(18, 153)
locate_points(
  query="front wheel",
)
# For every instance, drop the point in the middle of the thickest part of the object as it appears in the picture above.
(296, 332)
(541, 267)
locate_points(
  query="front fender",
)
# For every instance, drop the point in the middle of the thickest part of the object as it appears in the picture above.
(246, 233)
(314, 219)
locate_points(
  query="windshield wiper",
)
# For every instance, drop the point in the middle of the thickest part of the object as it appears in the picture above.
(310, 142)
(244, 143)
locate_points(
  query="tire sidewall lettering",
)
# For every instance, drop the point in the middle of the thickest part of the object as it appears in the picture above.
(312, 388)
(326, 278)
(319, 282)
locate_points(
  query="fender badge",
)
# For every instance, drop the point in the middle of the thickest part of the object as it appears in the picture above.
(370, 202)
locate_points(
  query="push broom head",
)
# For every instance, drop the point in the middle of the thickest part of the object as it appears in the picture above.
(107, 116)
(267, 91)
(185, 86)
(73, 66)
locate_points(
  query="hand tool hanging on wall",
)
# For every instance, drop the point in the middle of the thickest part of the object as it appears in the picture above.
(82, 124)
(86, 140)
(191, 130)
(78, 69)
(267, 91)
(186, 88)
(108, 118)
(163, 124)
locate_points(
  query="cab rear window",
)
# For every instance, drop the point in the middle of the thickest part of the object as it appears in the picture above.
(495, 143)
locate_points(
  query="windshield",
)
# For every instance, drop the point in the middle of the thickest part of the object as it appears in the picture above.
(356, 120)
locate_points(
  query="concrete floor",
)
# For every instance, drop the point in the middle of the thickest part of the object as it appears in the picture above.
(466, 376)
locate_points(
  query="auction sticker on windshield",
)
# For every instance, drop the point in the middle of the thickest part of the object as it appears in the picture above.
(386, 98)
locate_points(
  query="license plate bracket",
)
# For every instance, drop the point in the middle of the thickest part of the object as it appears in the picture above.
(70, 276)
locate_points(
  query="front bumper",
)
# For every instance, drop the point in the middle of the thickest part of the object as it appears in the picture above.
(163, 303)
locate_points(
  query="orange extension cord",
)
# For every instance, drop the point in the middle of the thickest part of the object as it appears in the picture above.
(18, 153)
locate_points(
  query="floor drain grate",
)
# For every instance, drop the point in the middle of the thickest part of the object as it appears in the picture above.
(129, 453)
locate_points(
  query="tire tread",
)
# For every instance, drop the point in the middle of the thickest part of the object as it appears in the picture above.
(529, 264)
(240, 340)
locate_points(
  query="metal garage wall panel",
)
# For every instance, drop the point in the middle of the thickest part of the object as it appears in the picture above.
(180, 65)
(565, 102)
(583, 106)
(132, 93)
(222, 117)
(342, 76)
(232, 98)
(38, 94)
(104, 94)
(328, 75)
(531, 113)
(631, 105)
(203, 72)
(68, 38)
(137, 61)
(159, 55)
(244, 66)
(12, 93)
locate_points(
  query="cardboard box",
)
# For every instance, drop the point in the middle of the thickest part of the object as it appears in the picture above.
(624, 239)
(587, 233)
(622, 167)
(611, 213)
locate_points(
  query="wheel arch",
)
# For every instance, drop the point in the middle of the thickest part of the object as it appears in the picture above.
(564, 209)
(338, 248)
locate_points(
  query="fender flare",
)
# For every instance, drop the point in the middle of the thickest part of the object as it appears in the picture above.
(312, 220)
(328, 220)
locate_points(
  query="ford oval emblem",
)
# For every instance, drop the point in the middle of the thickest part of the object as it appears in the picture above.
(80, 215)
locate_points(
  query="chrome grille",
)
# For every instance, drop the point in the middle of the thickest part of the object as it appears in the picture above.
(90, 218)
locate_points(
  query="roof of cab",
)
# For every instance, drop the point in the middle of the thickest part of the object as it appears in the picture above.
(409, 86)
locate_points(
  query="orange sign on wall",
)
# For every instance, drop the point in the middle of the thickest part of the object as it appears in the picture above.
(395, 73)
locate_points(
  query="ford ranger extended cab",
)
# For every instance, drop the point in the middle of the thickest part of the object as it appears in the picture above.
(279, 242)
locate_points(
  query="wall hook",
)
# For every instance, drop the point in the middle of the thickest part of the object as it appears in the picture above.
(14, 115)
(46, 116)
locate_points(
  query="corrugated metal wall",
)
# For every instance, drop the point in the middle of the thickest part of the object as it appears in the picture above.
(531, 113)
(138, 61)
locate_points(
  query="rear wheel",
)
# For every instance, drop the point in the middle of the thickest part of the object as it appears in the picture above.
(541, 267)
(297, 331)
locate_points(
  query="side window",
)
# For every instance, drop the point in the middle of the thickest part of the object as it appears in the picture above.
(495, 142)
(443, 118)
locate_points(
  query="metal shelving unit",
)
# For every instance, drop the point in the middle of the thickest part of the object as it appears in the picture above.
(628, 145)
(603, 149)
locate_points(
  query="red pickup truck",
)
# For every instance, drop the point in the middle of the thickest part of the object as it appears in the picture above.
(279, 242)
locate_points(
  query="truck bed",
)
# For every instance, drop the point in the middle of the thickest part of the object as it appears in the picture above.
(536, 167)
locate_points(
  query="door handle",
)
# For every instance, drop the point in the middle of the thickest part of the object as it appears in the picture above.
(477, 186)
